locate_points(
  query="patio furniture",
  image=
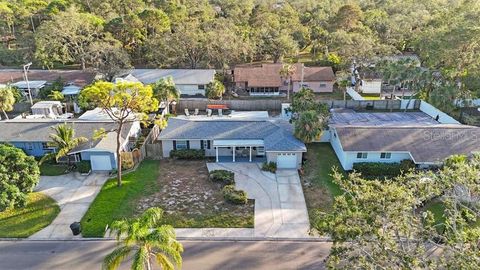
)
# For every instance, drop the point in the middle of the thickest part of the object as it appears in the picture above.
(196, 112)
(209, 112)
(187, 113)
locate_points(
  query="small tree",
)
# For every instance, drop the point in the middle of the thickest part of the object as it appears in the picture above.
(7, 100)
(215, 89)
(19, 174)
(56, 95)
(165, 90)
(64, 141)
(148, 239)
(123, 102)
(309, 126)
(287, 72)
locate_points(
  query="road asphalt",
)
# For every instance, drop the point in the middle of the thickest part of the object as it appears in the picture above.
(198, 255)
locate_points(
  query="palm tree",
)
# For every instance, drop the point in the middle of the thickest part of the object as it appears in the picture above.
(64, 141)
(165, 90)
(310, 125)
(148, 240)
(287, 72)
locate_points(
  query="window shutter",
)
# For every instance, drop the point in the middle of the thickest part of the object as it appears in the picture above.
(201, 145)
(174, 145)
(208, 144)
(188, 144)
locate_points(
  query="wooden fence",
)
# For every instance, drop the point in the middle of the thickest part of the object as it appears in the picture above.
(150, 148)
(276, 105)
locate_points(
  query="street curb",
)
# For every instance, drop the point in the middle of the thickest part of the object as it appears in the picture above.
(212, 239)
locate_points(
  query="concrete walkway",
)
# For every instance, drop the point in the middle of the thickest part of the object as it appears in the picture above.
(280, 209)
(74, 193)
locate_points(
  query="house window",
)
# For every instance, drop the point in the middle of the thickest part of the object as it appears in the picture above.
(201, 87)
(362, 155)
(29, 146)
(323, 85)
(206, 144)
(385, 155)
(182, 145)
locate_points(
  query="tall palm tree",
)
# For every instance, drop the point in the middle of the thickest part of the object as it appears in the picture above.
(165, 90)
(64, 141)
(310, 125)
(287, 72)
(148, 240)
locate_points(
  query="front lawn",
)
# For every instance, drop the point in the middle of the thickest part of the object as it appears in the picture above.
(181, 188)
(318, 185)
(52, 169)
(114, 202)
(39, 212)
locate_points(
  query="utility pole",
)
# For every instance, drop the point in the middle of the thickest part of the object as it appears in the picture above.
(25, 71)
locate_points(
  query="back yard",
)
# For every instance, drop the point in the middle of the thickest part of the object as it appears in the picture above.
(181, 188)
(318, 185)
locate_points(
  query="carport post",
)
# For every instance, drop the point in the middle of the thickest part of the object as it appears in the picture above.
(216, 152)
(234, 149)
(250, 154)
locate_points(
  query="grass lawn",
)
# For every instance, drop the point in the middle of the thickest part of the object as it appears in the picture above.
(36, 215)
(114, 202)
(51, 169)
(437, 208)
(318, 185)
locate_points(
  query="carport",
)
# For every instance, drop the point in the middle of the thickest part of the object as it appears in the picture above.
(247, 145)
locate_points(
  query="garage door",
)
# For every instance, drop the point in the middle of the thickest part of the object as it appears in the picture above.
(287, 161)
(101, 163)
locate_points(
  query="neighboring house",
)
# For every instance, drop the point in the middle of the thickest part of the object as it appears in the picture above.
(76, 77)
(189, 82)
(393, 137)
(71, 92)
(266, 80)
(230, 140)
(33, 138)
(46, 109)
(30, 88)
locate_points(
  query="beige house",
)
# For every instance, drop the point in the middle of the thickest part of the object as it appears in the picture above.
(265, 79)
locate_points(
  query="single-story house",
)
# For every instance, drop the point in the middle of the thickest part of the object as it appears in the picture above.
(34, 86)
(33, 137)
(76, 77)
(424, 145)
(189, 82)
(234, 140)
(266, 79)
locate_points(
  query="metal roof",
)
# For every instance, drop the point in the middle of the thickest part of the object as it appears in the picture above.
(179, 76)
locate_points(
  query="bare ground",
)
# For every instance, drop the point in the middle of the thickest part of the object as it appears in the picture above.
(191, 200)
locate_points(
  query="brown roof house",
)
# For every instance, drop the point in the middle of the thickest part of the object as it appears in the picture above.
(265, 79)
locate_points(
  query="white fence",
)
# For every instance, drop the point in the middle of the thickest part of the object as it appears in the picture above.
(353, 94)
(437, 114)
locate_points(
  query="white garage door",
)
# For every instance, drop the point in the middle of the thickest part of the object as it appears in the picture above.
(287, 161)
(101, 163)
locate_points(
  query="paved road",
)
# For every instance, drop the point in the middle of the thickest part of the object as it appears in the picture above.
(198, 255)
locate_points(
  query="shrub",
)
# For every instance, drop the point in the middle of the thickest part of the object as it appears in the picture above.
(84, 166)
(269, 167)
(376, 169)
(127, 161)
(188, 154)
(223, 176)
(233, 195)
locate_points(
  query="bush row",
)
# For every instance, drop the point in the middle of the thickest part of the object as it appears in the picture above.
(269, 167)
(375, 169)
(188, 154)
(233, 195)
(84, 166)
(223, 176)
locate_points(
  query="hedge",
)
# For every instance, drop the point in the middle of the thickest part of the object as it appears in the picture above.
(223, 176)
(269, 167)
(188, 154)
(84, 166)
(233, 195)
(376, 169)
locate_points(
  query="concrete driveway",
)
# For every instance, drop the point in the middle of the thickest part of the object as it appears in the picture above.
(74, 193)
(280, 209)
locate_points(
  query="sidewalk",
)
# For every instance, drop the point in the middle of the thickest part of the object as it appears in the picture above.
(74, 193)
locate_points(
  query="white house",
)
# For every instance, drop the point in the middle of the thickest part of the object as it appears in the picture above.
(34, 87)
(235, 140)
(189, 82)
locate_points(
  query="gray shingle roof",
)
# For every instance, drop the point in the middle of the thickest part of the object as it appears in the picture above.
(277, 135)
(180, 76)
(39, 131)
(426, 144)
